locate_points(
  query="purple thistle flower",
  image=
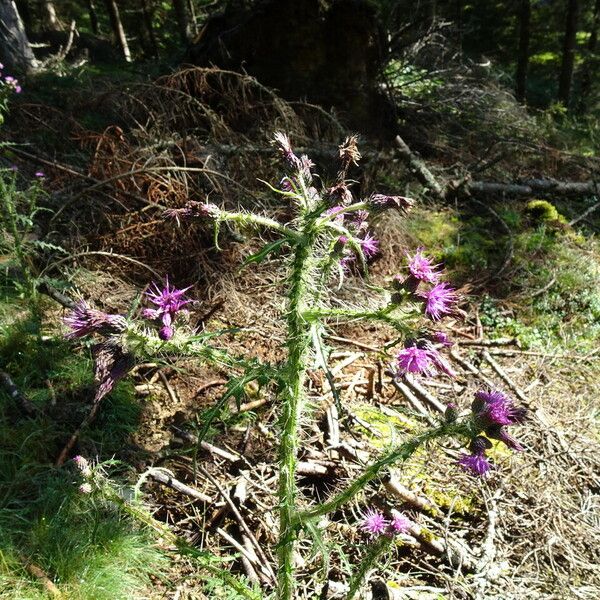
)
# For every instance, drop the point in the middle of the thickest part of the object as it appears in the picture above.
(382, 202)
(39, 174)
(400, 524)
(369, 246)
(451, 412)
(492, 408)
(416, 360)
(305, 167)
(422, 268)
(285, 147)
(441, 338)
(424, 361)
(111, 363)
(169, 300)
(374, 523)
(84, 320)
(439, 301)
(166, 332)
(476, 464)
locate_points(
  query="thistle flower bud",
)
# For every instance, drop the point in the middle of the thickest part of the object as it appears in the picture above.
(285, 147)
(193, 210)
(85, 488)
(451, 413)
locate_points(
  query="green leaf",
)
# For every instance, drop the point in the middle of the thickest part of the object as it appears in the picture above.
(264, 252)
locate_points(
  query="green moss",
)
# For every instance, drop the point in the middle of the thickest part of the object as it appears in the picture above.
(542, 211)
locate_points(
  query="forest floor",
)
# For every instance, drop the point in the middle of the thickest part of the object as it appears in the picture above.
(530, 284)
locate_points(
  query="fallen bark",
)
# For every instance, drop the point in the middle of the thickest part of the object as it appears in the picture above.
(466, 186)
(530, 187)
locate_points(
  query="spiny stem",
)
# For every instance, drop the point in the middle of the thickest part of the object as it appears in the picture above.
(375, 551)
(251, 218)
(298, 345)
(401, 453)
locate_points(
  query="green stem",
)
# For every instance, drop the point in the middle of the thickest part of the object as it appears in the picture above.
(375, 551)
(401, 453)
(298, 336)
(250, 218)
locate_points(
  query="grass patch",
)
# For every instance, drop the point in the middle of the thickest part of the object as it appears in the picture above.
(548, 296)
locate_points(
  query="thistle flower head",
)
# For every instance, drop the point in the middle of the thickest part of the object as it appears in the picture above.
(499, 432)
(168, 299)
(416, 360)
(340, 193)
(166, 332)
(439, 301)
(378, 202)
(285, 147)
(439, 337)
(476, 464)
(349, 153)
(422, 268)
(360, 220)
(85, 488)
(400, 524)
(83, 465)
(84, 320)
(111, 363)
(193, 210)
(493, 408)
(369, 246)
(40, 174)
(374, 523)
(451, 412)
(13, 83)
(423, 361)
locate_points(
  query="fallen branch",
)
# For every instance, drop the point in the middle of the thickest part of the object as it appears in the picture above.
(15, 393)
(173, 483)
(465, 186)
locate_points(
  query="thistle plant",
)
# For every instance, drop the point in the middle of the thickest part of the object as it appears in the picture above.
(327, 239)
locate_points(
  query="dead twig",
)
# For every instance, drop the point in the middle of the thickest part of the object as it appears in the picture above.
(166, 479)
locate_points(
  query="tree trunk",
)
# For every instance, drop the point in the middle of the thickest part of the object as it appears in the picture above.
(149, 30)
(51, 21)
(183, 21)
(15, 50)
(117, 27)
(591, 60)
(523, 53)
(93, 17)
(568, 58)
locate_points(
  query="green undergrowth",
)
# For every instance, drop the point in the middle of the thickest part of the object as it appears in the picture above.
(87, 547)
(537, 278)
